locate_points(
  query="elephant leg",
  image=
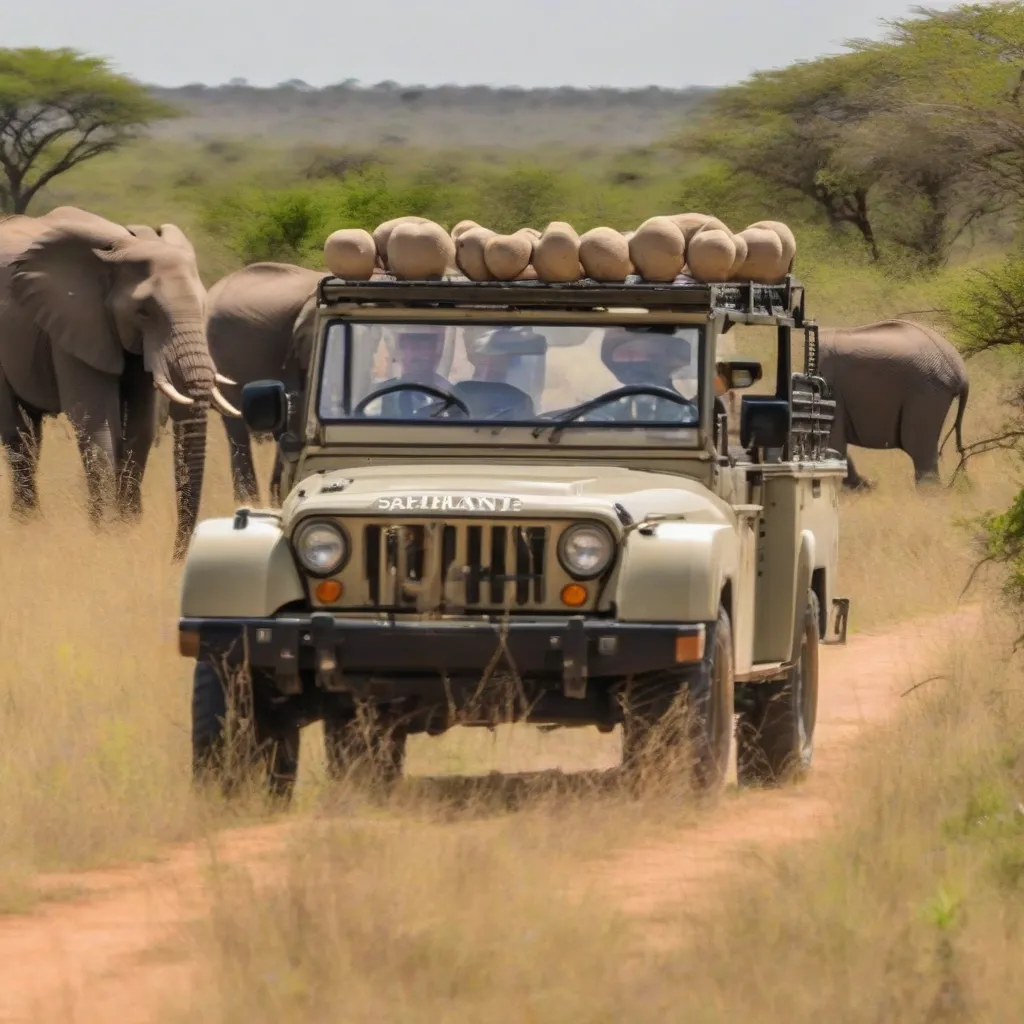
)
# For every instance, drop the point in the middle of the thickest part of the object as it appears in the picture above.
(921, 425)
(139, 423)
(243, 469)
(21, 432)
(91, 400)
(853, 481)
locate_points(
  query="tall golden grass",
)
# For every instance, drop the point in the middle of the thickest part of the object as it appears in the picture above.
(913, 909)
(95, 703)
(394, 914)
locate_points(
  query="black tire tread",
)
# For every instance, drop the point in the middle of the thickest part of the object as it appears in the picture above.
(271, 748)
(767, 737)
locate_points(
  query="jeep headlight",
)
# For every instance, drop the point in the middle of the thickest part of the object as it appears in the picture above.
(586, 550)
(322, 548)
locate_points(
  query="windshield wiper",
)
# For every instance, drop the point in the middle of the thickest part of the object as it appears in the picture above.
(557, 424)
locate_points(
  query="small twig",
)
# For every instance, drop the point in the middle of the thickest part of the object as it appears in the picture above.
(930, 679)
(974, 573)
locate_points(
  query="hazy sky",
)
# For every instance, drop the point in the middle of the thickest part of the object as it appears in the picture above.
(525, 42)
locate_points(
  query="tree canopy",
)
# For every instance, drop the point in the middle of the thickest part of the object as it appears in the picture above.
(59, 108)
(907, 140)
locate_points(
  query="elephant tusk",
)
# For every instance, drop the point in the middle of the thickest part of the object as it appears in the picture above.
(172, 392)
(227, 381)
(223, 405)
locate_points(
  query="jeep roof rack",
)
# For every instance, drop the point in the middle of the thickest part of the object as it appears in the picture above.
(742, 302)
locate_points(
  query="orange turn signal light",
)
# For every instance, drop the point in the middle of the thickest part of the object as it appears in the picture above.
(574, 594)
(690, 648)
(328, 591)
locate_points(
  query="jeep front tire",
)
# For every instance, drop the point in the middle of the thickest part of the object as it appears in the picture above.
(670, 713)
(234, 737)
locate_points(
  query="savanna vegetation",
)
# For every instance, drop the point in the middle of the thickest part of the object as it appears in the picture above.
(900, 165)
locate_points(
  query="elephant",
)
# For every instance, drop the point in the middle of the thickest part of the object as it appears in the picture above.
(260, 326)
(94, 323)
(894, 382)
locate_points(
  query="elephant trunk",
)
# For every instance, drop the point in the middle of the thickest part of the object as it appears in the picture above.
(189, 466)
(183, 370)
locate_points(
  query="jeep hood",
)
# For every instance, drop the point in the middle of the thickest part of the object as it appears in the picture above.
(486, 490)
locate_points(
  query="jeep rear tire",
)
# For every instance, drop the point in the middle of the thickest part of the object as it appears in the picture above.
(228, 748)
(663, 715)
(775, 732)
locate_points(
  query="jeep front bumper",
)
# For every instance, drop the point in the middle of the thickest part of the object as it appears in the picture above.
(565, 651)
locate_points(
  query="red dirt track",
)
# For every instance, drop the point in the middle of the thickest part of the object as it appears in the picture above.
(98, 957)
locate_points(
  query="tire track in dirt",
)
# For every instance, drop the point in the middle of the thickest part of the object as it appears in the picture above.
(859, 686)
(99, 958)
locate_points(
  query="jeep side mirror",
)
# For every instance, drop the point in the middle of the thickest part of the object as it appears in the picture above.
(265, 406)
(764, 421)
(739, 373)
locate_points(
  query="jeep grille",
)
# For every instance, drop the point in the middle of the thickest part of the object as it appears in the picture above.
(458, 564)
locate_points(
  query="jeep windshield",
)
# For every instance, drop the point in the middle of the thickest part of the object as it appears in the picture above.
(545, 378)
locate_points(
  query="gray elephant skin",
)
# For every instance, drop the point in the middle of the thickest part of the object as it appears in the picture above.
(894, 382)
(260, 327)
(93, 320)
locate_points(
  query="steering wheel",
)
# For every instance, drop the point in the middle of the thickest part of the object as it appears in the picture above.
(447, 397)
(626, 391)
(559, 420)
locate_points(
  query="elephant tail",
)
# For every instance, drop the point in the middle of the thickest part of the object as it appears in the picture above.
(958, 423)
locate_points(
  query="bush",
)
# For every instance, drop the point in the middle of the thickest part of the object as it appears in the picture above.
(289, 225)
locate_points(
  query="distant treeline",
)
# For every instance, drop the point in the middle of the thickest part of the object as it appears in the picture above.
(389, 113)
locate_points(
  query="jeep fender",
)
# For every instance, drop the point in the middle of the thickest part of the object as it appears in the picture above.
(676, 574)
(231, 573)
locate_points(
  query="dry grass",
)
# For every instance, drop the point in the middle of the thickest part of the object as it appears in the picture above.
(912, 910)
(393, 913)
(96, 698)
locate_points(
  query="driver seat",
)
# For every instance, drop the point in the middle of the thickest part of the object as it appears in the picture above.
(489, 397)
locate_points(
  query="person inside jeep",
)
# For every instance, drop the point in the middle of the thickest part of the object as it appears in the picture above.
(418, 352)
(651, 358)
(507, 362)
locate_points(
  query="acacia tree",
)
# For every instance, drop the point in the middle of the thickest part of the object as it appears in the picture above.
(962, 75)
(899, 138)
(58, 109)
(788, 128)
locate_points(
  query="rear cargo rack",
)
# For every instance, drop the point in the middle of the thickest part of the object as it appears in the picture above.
(740, 302)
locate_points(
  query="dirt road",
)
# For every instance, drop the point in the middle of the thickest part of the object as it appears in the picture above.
(98, 958)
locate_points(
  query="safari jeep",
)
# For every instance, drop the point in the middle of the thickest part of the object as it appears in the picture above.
(564, 549)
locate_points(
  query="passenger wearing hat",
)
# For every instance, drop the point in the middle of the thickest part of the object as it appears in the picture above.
(500, 354)
(646, 357)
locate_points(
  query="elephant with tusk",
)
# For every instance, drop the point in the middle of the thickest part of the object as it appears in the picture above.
(95, 323)
(172, 234)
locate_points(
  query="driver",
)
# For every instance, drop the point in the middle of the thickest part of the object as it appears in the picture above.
(644, 357)
(418, 351)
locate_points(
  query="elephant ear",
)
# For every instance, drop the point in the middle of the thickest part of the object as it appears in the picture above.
(302, 333)
(61, 281)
